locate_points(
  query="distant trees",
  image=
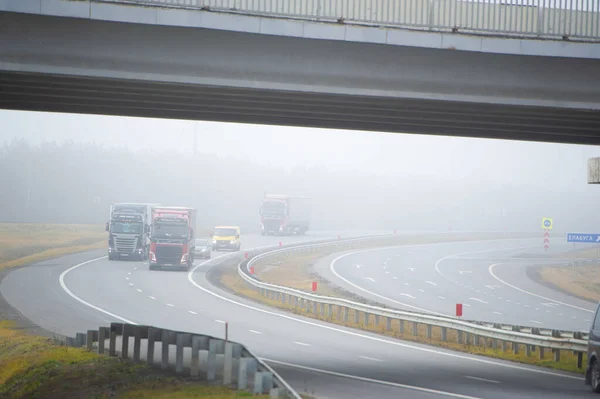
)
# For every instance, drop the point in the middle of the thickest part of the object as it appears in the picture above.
(76, 183)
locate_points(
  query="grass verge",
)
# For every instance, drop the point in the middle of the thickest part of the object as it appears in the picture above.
(36, 367)
(295, 271)
(582, 281)
(23, 243)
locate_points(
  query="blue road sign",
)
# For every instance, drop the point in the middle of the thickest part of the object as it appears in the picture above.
(547, 223)
(583, 237)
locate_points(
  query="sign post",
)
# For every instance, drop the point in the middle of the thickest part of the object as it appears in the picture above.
(547, 226)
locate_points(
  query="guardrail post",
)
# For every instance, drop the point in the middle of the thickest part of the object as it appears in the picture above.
(429, 328)
(376, 320)
(388, 324)
(125, 341)
(339, 312)
(366, 319)
(283, 297)
(102, 335)
(321, 309)
(296, 302)
(476, 340)
(179, 338)
(459, 336)
(228, 363)
(528, 350)
(212, 360)
(195, 363)
(137, 341)
(90, 339)
(153, 336)
(258, 383)
(80, 339)
(329, 311)
(401, 326)
(579, 360)
(541, 352)
(345, 312)
(415, 329)
(307, 306)
(444, 334)
(315, 308)
(494, 344)
(247, 366)
(556, 355)
(504, 346)
(112, 344)
(356, 317)
(290, 299)
(164, 361)
(468, 338)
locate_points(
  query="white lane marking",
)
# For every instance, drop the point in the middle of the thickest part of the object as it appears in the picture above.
(441, 297)
(408, 295)
(370, 380)
(151, 297)
(464, 271)
(496, 312)
(560, 314)
(131, 284)
(491, 271)
(499, 297)
(482, 379)
(192, 312)
(170, 305)
(129, 273)
(386, 272)
(412, 269)
(535, 321)
(431, 282)
(372, 338)
(358, 266)
(588, 320)
(537, 309)
(527, 306)
(302, 343)
(478, 300)
(255, 332)
(370, 278)
(370, 358)
(61, 280)
(492, 287)
(220, 321)
(395, 278)
(507, 300)
(138, 290)
(126, 278)
(406, 284)
(422, 290)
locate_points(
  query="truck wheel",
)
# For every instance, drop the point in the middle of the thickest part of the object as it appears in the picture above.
(595, 377)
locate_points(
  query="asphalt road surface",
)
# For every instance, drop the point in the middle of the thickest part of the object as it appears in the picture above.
(488, 277)
(82, 291)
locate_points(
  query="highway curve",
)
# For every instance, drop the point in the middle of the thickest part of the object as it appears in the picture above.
(306, 352)
(488, 277)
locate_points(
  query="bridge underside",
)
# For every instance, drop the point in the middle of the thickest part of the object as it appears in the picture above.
(75, 94)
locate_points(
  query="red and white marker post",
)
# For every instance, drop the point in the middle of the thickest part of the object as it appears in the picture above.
(459, 310)
(546, 239)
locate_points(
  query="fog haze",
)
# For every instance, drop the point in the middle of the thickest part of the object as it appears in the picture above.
(69, 168)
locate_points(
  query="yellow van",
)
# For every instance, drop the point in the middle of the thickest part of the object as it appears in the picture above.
(226, 237)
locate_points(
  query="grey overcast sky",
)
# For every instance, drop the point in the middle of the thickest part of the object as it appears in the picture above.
(476, 160)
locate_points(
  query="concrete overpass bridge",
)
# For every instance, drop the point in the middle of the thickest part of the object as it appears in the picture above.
(477, 69)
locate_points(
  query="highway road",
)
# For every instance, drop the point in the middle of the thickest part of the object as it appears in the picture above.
(488, 277)
(82, 291)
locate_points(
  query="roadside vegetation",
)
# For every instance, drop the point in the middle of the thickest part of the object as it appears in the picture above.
(582, 281)
(37, 367)
(23, 243)
(296, 271)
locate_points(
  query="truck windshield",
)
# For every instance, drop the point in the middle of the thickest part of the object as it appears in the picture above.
(225, 232)
(170, 231)
(124, 227)
(273, 209)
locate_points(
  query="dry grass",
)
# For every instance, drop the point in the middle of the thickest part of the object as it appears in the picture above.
(22, 243)
(32, 366)
(582, 281)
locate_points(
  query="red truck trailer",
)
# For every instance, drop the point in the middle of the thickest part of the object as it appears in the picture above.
(172, 240)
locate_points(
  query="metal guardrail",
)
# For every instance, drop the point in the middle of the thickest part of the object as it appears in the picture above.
(530, 337)
(555, 19)
(239, 366)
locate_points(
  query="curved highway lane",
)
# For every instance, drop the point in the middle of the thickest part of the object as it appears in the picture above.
(488, 277)
(332, 361)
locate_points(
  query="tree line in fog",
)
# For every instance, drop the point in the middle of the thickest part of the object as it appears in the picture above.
(76, 183)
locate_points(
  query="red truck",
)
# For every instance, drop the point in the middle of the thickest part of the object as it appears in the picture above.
(285, 214)
(172, 242)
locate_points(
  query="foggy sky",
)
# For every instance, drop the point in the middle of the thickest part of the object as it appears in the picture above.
(531, 180)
